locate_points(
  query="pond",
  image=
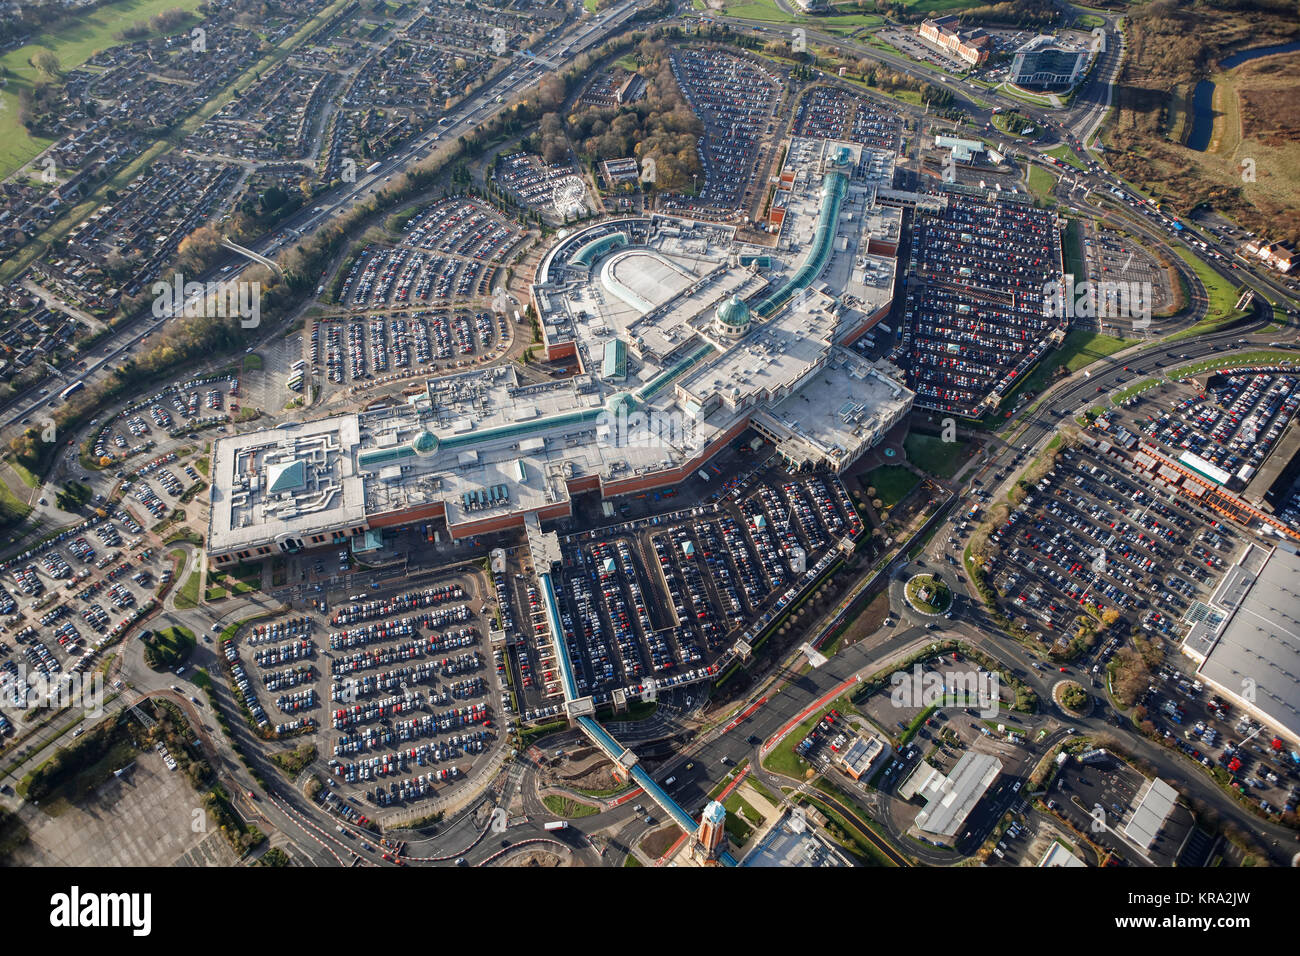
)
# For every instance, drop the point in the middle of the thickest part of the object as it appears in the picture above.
(1203, 95)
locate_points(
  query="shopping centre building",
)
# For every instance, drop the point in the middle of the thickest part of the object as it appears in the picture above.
(683, 337)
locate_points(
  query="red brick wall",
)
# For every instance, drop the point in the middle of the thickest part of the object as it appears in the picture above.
(674, 476)
(436, 510)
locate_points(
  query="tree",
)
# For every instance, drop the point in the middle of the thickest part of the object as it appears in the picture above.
(198, 248)
(47, 64)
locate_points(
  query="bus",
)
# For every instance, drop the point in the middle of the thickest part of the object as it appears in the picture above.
(71, 390)
(298, 365)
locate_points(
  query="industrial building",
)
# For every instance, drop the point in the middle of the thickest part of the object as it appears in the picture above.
(1058, 855)
(684, 337)
(1246, 639)
(949, 799)
(1047, 63)
(1155, 802)
(792, 841)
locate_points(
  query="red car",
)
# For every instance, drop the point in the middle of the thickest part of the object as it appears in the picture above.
(1063, 670)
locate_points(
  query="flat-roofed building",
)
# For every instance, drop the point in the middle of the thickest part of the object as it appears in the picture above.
(863, 755)
(1048, 63)
(683, 337)
(1247, 642)
(951, 798)
(1155, 802)
(1058, 855)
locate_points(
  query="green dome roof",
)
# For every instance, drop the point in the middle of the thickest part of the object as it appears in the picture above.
(425, 443)
(733, 312)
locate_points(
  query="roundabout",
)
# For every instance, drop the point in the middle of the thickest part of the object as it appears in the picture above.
(1072, 698)
(928, 594)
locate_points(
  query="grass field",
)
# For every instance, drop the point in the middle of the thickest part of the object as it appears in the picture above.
(1264, 357)
(170, 646)
(1073, 248)
(188, 595)
(1041, 184)
(1221, 293)
(73, 45)
(934, 455)
(566, 807)
(1066, 155)
(1012, 124)
(935, 6)
(892, 483)
(768, 11)
(1137, 389)
(1078, 351)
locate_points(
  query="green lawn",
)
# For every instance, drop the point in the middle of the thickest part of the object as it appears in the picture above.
(188, 596)
(169, 647)
(13, 510)
(1066, 155)
(783, 759)
(566, 807)
(1079, 350)
(1264, 357)
(1013, 123)
(1137, 389)
(1222, 294)
(758, 10)
(767, 10)
(940, 598)
(935, 455)
(1073, 249)
(934, 6)
(1041, 183)
(892, 483)
(73, 45)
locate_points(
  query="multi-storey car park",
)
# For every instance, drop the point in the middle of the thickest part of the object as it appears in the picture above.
(683, 336)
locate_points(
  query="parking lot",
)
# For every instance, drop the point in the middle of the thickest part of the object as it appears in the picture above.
(171, 413)
(975, 319)
(1232, 419)
(735, 98)
(1246, 754)
(382, 346)
(64, 600)
(831, 112)
(556, 190)
(449, 251)
(653, 603)
(1098, 793)
(400, 679)
(1111, 258)
(1090, 537)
